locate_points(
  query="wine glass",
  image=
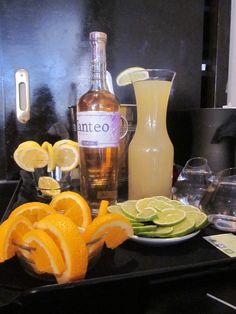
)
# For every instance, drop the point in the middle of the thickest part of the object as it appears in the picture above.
(219, 203)
(193, 181)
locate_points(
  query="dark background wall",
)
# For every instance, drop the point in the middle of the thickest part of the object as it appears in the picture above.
(50, 40)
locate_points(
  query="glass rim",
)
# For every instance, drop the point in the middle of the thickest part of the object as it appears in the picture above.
(160, 74)
(226, 172)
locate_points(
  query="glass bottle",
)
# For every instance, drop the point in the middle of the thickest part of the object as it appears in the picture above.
(98, 125)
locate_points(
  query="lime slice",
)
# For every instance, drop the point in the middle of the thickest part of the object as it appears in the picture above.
(124, 78)
(162, 198)
(169, 217)
(143, 203)
(129, 208)
(200, 219)
(160, 232)
(182, 228)
(137, 224)
(139, 229)
(159, 204)
(148, 214)
(175, 203)
(115, 209)
(188, 208)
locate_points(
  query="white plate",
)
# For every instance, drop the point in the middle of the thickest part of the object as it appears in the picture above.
(162, 241)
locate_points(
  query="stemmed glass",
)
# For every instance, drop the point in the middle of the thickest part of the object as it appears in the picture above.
(220, 200)
(193, 181)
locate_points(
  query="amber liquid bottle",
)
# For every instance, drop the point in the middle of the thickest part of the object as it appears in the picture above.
(98, 125)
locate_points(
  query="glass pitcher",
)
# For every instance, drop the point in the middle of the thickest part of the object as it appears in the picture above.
(151, 153)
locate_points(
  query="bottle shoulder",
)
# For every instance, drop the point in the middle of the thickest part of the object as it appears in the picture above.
(98, 100)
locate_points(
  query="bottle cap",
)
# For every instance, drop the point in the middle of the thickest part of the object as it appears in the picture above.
(98, 35)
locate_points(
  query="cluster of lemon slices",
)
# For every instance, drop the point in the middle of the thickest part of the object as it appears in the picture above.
(59, 238)
(30, 155)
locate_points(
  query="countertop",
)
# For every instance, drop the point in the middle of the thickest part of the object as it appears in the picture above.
(175, 292)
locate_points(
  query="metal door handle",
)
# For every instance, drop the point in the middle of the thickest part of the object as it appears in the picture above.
(22, 95)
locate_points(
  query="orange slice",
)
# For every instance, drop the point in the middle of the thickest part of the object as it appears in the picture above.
(74, 206)
(103, 208)
(44, 255)
(12, 231)
(71, 244)
(114, 229)
(34, 211)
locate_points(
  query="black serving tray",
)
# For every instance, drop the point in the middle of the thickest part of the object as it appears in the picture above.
(131, 262)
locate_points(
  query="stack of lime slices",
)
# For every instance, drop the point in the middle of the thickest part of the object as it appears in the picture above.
(161, 217)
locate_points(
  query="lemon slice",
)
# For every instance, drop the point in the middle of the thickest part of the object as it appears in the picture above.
(169, 217)
(65, 141)
(51, 159)
(28, 144)
(48, 186)
(124, 78)
(66, 156)
(29, 158)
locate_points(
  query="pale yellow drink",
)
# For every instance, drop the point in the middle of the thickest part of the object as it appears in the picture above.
(151, 153)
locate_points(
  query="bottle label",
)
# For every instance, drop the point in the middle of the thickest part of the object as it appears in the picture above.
(98, 128)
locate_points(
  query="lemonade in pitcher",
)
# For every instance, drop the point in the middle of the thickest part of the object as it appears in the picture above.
(151, 153)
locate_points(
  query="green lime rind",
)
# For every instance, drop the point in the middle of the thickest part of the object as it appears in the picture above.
(188, 208)
(160, 232)
(129, 209)
(159, 204)
(183, 228)
(169, 217)
(148, 214)
(139, 229)
(118, 210)
(142, 203)
(137, 224)
(201, 219)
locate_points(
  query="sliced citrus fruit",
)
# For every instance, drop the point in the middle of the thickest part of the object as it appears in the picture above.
(42, 252)
(28, 144)
(159, 204)
(169, 216)
(48, 186)
(139, 229)
(66, 156)
(113, 229)
(142, 203)
(124, 77)
(12, 231)
(65, 141)
(74, 206)
(159, 232)
(51, 159)
(29, 158)
(34, 211)
(71, 244)
(187, 208)
(103, 208)
(200, 218)
(148, 214)
(129, 208)
(183, 228)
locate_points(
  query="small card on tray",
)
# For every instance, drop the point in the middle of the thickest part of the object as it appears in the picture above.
(225, 242)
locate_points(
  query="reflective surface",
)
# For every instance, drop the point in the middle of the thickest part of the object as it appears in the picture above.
(50, 40)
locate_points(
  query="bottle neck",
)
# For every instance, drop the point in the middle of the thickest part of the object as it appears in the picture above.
(98, 65)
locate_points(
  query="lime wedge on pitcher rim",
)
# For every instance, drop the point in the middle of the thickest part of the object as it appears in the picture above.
(169, 217)
(124, 77)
